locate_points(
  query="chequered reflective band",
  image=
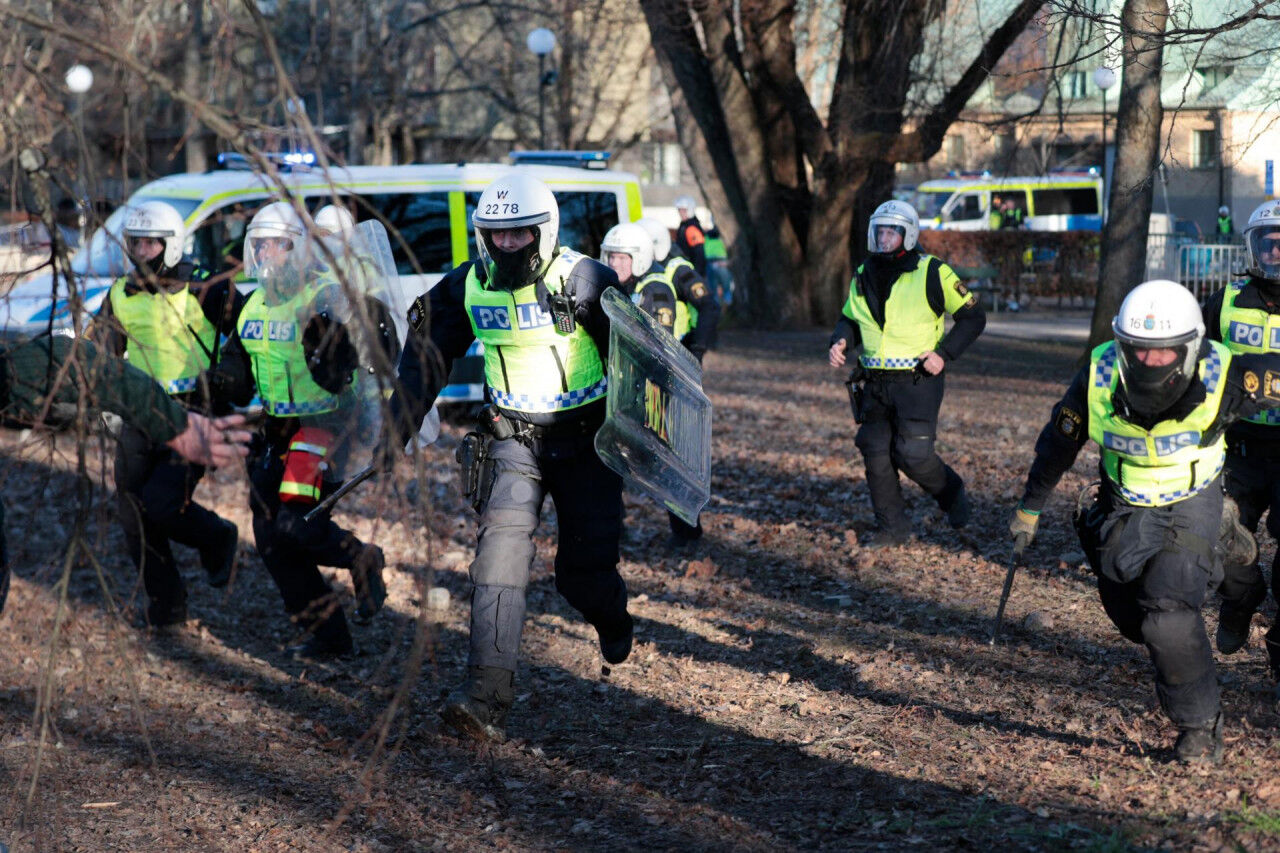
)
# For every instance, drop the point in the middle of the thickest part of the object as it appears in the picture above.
(1270, 417)
(549, 402)
(180, 386)
(1104, 368)
(1140, 499)
(315, 407)
(1212, 371)
(887, 363)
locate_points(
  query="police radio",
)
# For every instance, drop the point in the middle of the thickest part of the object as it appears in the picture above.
(562, 312)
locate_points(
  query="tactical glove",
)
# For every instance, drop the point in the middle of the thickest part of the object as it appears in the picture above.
(331, 357)
(1022, 527)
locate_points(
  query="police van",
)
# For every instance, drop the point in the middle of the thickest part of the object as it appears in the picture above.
(429, 204)
(1065, 201)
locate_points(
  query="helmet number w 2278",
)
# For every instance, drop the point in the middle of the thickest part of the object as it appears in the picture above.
(501, 207)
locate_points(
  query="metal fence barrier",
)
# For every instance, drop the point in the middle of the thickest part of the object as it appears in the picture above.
(1207, 268)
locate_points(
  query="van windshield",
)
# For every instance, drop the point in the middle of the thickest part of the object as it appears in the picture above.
(103, 256)
(928, 203)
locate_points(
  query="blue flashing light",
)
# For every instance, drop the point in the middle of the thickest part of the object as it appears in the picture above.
(576, 159)
(300, 158)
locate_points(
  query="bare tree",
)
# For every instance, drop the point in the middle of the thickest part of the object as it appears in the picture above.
(799, 185)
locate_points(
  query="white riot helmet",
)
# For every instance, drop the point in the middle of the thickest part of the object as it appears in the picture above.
(659, 235)
(516, 201)
(898, 215)
(1158, 314)
(628, 238)
(276, 240)
(335, 221)
(1262, 242)
(1224, 210)
(686, 202)
(159, 220)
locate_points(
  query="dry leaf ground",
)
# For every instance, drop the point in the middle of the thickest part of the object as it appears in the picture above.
(787, 691)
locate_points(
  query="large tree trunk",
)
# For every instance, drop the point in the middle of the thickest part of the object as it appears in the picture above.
(196, 150)
(1138, 127)
(767, 250)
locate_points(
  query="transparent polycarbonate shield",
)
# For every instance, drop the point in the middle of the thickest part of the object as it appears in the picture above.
(657, 432)
(330, 326)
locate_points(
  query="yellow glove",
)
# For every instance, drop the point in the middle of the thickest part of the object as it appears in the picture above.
(1023, 527)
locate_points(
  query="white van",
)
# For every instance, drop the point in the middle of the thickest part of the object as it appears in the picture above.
(1059, 202)
(430, 205)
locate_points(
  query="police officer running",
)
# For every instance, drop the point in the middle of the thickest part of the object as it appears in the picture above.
(168, 326)
(292, 345)
(697, 311)
(672, 293)
(1245, 316)
(1157, 400)
(897, 302)
(535, 306)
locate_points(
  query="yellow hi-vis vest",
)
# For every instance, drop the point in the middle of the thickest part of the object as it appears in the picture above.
(167, 335)
(272, 336)
(1249, 330)
(1165, 464)
(529, 366)
(910, 326)
(686, 314)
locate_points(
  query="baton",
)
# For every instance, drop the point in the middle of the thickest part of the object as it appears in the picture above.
(1019, 544)
(343, 490)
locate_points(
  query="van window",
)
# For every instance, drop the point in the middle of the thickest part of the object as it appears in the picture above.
(1065, 201)
(217, 245)
(423, 222)
(966, 207)
(584, 219)
(928, 203)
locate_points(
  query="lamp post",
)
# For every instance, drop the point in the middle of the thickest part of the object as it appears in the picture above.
(1104, 78)
(79, 80)
(541, 42)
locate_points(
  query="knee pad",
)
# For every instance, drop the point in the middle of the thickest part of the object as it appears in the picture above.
(1178, 644)
(911, 451)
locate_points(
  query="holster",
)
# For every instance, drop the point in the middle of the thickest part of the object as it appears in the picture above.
(476, 469)
(854, 386)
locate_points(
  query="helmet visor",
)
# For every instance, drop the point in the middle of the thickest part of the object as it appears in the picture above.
(886, 237)
(513, 255)
(1264, 246)
(1155, 374)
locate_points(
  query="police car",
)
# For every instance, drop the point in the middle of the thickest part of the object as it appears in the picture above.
(429, 204)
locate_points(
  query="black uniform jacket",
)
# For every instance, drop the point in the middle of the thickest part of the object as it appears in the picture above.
(440, 331)
(1068, 427)
(1255, 294)
(970, 319)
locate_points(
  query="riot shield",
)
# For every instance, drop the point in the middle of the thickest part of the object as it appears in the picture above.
(341, 400)
(657, 431)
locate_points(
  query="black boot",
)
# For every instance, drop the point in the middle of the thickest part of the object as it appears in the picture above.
(371, 590)
(615, 639)
(478, 709)
(887, 537)
(1233, 629)
(327, 640)
(960, 511)
(219, 559)
(166, 616)
(1200, 744)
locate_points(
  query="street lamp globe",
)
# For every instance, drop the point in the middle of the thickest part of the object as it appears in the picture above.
(79, 79)
(1104, 78)
(541, 41)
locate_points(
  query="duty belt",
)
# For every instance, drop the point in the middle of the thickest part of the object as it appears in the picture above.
(501, 426)
(891, 375)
